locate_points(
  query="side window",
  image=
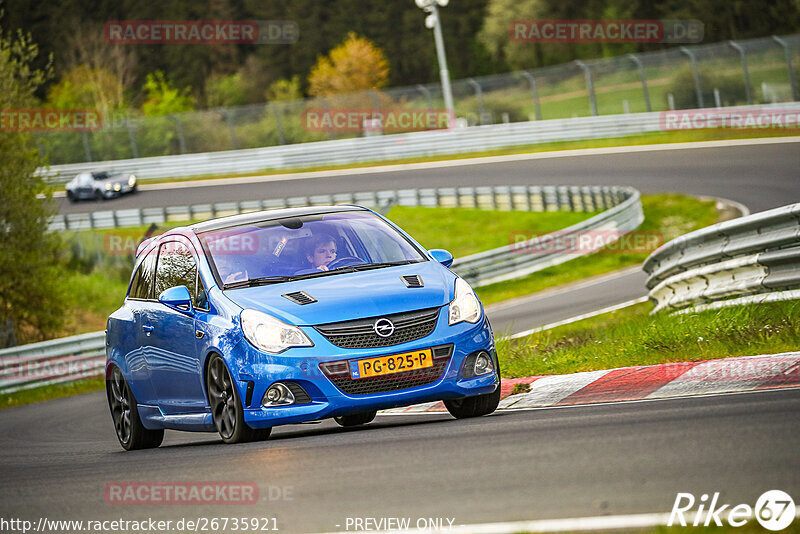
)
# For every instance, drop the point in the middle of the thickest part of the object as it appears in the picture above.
(142, 285)
(176, 267)
(201, 298)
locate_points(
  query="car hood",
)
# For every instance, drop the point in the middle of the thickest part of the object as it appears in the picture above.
(347, 296)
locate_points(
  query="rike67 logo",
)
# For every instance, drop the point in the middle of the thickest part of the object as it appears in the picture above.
(774, 510)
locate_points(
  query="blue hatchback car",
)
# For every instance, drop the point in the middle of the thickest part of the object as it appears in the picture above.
(243, 323)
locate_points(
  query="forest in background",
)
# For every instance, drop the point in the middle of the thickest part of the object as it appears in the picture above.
(185, 77)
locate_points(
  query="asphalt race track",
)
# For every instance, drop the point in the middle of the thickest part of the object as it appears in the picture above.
(549, 463)
(56, 457)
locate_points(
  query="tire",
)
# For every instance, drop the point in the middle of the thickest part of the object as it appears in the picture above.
(71, 197)
(98, 195)
(226, 406)
(475, 406)
(131, 433)
(355, 419)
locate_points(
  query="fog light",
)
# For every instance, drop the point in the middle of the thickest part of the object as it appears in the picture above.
(278, 395)
(483, 364)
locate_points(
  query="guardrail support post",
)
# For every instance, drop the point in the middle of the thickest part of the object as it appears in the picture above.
(587, 72)
(534, 90)
(479, 95)
(643, 78)
(86, 146)
(179, 130)
(427, 94)
(277, 122)
(229, 122)
(132, 138)
(788, 55)
(696, 75)
(748, 89)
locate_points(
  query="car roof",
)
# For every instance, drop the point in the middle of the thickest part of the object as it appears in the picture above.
(268, 215)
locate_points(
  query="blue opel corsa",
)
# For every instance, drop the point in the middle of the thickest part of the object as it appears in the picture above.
(239, 324)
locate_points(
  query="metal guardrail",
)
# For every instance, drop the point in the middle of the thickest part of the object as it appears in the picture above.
(382, 148)
(78, 357)
(50, 362)
(747, 260)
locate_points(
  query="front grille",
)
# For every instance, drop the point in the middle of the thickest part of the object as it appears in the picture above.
(360, 333)
(394, 382)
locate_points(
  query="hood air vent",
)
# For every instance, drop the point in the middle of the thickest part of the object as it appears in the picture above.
(300, 297)
(412, 280)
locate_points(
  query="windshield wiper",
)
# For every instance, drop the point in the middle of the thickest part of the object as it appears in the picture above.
(262, 280)
(367, 266)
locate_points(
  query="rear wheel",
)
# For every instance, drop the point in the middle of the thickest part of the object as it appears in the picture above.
(475, 406)
(226, 407)
(130, 431)
(355, 419)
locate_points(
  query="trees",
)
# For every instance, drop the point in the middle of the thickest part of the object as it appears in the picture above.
(354, 65)
(31, 295)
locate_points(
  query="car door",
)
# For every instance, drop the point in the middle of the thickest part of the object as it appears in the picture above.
(138, 300)
(172, 357)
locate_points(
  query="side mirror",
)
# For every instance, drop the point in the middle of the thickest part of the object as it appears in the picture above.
(442, 256)
(177, 298)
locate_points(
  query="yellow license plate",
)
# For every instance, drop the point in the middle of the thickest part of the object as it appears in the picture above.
(386, 365)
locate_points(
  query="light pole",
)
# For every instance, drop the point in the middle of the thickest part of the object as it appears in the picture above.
(432, 22)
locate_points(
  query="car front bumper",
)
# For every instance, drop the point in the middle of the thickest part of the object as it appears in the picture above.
(328, 400)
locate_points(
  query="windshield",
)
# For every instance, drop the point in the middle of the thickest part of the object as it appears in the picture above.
(303, 247)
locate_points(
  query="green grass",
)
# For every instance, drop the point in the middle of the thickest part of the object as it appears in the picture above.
(53, 391)
(667, 215)
(631, 336)
(465, 231)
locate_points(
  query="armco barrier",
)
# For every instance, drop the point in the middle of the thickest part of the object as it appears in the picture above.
(384, 147)
(751, 259)
(77, 357)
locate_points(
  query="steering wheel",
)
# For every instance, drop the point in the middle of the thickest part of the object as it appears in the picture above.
(344, 261)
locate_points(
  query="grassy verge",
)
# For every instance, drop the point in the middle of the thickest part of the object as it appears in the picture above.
(465, 231)
(632, 336)
(710, 134)
(54, 391)
(666, 216)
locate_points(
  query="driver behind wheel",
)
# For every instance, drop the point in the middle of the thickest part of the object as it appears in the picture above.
(321, 251)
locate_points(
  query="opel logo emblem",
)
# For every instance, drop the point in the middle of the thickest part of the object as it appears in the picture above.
(383, 327)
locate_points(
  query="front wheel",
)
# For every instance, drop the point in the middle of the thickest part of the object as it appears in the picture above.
(355, 419)
(226, 407)
(475, 406)
(130, 431)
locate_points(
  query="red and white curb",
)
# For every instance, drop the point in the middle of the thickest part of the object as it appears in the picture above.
(667, 380)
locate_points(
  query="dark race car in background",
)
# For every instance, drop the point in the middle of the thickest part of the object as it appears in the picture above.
(100, 185)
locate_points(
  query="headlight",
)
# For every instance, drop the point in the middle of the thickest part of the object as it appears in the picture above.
(465, 305)
(117, 187)
(270, 334)
(108, 187)
(131, 181)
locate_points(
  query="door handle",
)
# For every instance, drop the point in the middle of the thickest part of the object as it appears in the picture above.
(148, 329)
